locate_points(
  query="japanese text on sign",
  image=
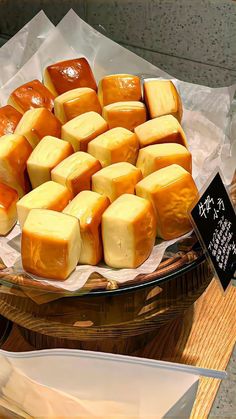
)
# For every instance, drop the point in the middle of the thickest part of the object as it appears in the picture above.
(215, 224)
(207, 207)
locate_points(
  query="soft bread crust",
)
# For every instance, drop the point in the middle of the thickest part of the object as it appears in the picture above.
(88, 207)
(75, 172)
(8, 216)
(36, 124)
(171, 190)
(14, 153)
(125, 114)
(119, 88)
(162, 98)
(76, 102)
(50, 244)
(157, 156)
(49, 152)
(83, 129)
(67, 75)
(115, 145)
(165, 129)
(49, 195)
(116, 179)
(9, 119)
(128, 231)
(31, 95)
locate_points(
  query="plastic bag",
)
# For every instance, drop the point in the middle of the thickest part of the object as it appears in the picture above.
(69, 383)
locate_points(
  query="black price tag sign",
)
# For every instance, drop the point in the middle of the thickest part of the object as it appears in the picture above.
(215, 223)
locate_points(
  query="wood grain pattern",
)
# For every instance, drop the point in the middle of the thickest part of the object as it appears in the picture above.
(207, 342)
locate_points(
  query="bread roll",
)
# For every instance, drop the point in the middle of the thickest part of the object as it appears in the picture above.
(128, 231)
(8, 217)
(171, 190)
(14, 153)
(76, 172)
(76, 102)
(49, 195)
(115, 180)
(50, 244)
(162, 98)
(115, 145)
(36, 124)
(9, 119)
(67, 75)
(165, 129)
(157, 156)
(88, 207)
(31, 95)
(82, 129)
(119, 88)
(125, 114)
(46, 155)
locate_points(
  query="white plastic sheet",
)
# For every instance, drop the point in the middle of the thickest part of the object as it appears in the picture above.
(19, 49)
(207, 122)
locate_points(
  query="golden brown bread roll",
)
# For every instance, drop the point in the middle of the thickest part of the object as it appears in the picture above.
(31, 95)
(8, 216)
(76, 102)
(119, 88)
(9, 119)
(125, 114)
(116, 179)
(49, 152)
(50, 244)
(82, 129)
(67, 75)
(14, 153)
(155, 157)
(49, 195)
(162, 98)
(165, 129)
(88, 207)
(75, 172)
(115, 145)
(36, 124)
(171, 190)
(128, 231)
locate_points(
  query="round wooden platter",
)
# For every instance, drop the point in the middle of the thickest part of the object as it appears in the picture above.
(107, 317)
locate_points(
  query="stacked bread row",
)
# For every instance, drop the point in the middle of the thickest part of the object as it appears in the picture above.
(105, 180)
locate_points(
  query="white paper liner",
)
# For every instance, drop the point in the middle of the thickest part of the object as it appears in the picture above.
(207, 123)
(20, 48)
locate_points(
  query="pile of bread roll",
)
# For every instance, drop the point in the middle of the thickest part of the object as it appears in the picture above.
(93, 173)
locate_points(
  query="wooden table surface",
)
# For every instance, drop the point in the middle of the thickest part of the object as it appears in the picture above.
(209, 343)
